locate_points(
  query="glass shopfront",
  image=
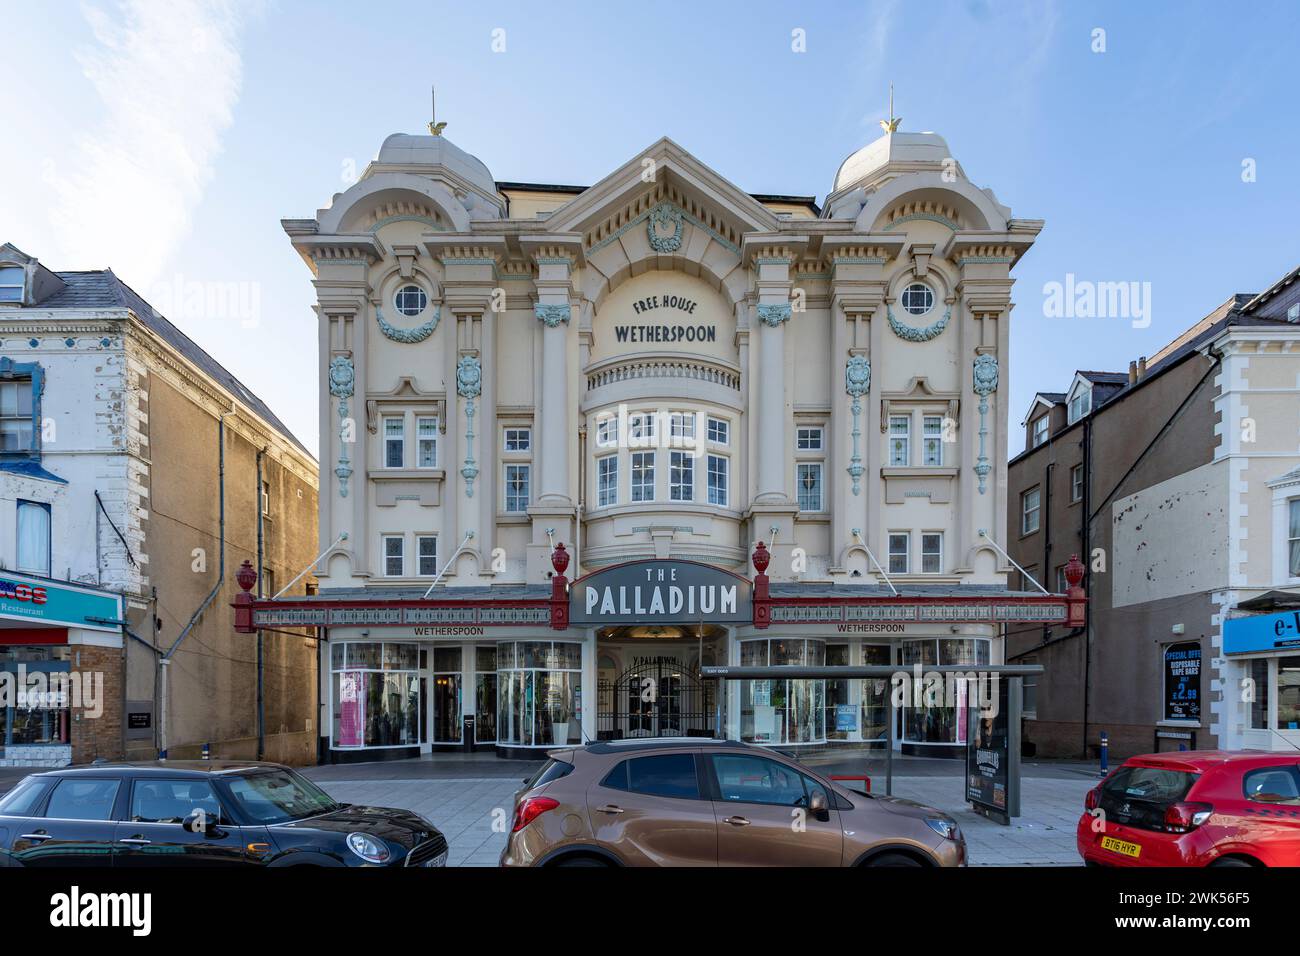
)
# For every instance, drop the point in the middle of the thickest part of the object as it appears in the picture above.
(939, 723)
(783, 711)
(37, 713)
(375, 694)
(539, 693)
(447, 709)
(485, 693)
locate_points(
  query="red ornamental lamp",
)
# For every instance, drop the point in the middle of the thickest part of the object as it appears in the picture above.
(560, 559)
(761, 558)
(246, 576)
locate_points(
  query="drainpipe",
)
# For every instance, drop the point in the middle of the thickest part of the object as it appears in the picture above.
(166, 659)
(1086, 535)
(261, 688)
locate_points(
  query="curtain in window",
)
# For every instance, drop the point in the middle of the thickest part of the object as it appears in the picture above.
(1294, 535)
(33, 537)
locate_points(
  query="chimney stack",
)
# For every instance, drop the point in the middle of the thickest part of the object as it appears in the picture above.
(1142, 367)
(1132, 372)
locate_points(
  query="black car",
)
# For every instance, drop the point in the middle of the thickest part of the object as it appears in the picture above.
(208, 813)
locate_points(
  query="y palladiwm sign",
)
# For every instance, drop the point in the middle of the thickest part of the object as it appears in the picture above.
(661, 592)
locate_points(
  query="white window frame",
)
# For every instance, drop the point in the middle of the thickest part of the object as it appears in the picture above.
(1080, 404)
(521, 433)
(21, 285)
(937, 555)
(400, 556)
(681, 463)
(397, 298)
(905, 554)
(1076, 483)
(607, 431)
(1026, 510)
(725, 472)
(1292, 517)
(1039, 429)
(929, 297)
(421, 439)
(718, 426)
(638, 488)
(420, 556)
(905, 437)
(681, 425)
(809, 438)
(399, 438)
(606, 493)
(820, 469)
(642, 428)
(22, 561)
(932, 441)
(509, 502)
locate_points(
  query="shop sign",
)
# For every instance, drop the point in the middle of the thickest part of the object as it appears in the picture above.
(661, 592)
(846, 718)
(36, 599)
(1261, 632)
(993, 755)
(1183, 681)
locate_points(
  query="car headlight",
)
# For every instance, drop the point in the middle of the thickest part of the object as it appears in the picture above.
(947, 829)
(368, 848)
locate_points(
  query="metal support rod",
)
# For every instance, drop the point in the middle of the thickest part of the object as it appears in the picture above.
(454, 555)
(858, 534)
(343, 536)
(998, 548)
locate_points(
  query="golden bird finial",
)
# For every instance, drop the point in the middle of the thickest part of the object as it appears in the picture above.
(891, 125)
(435, 128)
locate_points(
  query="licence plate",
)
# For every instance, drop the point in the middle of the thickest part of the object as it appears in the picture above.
(1121, 846)
(439, 860)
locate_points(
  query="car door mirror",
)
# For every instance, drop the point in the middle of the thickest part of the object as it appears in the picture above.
(817, 802)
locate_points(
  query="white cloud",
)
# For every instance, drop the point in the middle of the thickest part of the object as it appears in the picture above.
(168, 77)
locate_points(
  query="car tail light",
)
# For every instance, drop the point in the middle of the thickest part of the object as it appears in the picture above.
(1184, 816)
(1092, 799)
(530, 810)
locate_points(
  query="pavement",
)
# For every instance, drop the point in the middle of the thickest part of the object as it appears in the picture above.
(469, 798)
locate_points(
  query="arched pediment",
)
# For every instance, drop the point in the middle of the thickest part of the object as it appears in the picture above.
(367, 204)
(927, 194)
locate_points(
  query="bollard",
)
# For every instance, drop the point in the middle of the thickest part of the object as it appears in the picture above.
(207, 751)
(1105, 753)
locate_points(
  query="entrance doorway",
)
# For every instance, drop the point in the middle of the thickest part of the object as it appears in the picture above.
(656, 697)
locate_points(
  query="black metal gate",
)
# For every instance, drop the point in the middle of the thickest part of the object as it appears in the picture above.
(655, 697)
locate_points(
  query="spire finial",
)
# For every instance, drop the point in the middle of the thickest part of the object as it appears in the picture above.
(891, 125)
(435, 128)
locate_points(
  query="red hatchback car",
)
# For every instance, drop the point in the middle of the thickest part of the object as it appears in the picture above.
(1196, 808)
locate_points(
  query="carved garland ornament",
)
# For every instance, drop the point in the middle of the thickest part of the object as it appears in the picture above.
(985, 372)
(773, 314)
(408, 336)
(857, 382)
(469, 385)
(342, 378)
(662, 215)
(911, 333)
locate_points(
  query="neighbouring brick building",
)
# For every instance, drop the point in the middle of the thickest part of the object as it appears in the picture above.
(112, 428)
(1170, 482)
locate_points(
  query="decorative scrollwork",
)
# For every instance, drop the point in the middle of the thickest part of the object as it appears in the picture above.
(469, 385)
(857, 382)
(911, 333)
(664, 214)
(985, 375)
(342, 376)
(342, 381)
(551, 314)
(408, 336)
(773, 314)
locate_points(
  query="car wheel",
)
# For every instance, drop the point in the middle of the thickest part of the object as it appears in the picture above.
(1231, 861)
(581, 861)
(893, 859)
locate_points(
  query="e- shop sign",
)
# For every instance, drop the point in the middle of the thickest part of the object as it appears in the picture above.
(1261, 632)
(1183, 682)
(661, 592)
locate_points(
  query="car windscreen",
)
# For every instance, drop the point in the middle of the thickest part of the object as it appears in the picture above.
(277, 796)
(1138, 796)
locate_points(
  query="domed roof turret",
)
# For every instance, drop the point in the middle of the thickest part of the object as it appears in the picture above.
(922, 149)
(405, 149)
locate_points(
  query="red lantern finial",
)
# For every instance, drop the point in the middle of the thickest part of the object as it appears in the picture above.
(1073, 571)
(246, 576)
(560, 559)
(761, 558)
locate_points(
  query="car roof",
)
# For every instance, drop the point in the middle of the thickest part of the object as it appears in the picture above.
(641, 744)
(1199, 761)
(163, 768)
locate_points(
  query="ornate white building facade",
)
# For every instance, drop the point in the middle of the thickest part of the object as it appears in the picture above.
(662, 370)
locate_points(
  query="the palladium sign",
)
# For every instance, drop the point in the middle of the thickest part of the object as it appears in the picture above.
(661, 592)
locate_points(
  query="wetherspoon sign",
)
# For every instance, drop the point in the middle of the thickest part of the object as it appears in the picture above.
(661, 592)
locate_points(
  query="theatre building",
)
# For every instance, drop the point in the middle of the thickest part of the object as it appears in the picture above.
(578, 442)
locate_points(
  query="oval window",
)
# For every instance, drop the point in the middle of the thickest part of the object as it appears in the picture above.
(410, 300)
(918, 299)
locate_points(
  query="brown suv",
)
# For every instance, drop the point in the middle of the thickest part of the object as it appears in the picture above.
(694, 802)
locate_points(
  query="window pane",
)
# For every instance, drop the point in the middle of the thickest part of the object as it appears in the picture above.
(428, 555)
(171, 801)
(898, 553)
(607, 480)
(1288, 693)
(809, 478)
(643, 476)
(681, 476)
(717, 480)
(34, 537)
(745, 779)
(667, 775)
(82, 799)
(718, 431)
(516, 488)
(931, 553)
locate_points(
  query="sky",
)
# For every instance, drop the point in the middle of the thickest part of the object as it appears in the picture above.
(166, 139)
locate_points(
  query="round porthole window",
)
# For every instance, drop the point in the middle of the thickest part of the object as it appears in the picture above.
(410, 300)
(918, 299)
